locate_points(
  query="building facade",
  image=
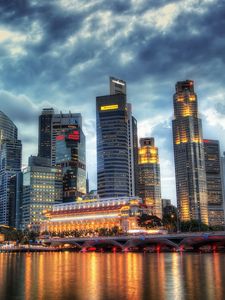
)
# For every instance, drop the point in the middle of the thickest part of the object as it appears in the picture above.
(42, 188)
(149, 184)
(45, 133)
(189, 157)
(71, 158)
(61, 122)
(117, 146)
(93, 214)
(214, 182)
(10, 166)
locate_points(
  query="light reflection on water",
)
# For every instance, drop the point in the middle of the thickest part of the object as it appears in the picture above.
(113, 276)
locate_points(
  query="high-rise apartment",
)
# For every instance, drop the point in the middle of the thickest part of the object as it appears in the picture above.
(70, 156)
(214, 182)
(149, 176)
(10, 166)
(189, 159)
(116, 143)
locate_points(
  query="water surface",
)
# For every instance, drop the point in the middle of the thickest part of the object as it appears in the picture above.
(112, 276)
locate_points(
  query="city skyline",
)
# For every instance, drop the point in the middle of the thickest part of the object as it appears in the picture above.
(33, 76)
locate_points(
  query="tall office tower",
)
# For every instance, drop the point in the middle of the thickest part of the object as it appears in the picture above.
(113, 142)
(214, 183)
(42, 188)
(189, 155)
(149, 176)
(132, 152)
(10, 166)
(117, 86)
(61, 122)
(70, 156)
(45, 133)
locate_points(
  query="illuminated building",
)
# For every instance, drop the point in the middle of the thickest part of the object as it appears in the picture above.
(61, 122)
(10, 167)
(94, 214)
(189, 155)
(45, 133)
(42, 187)
(214, 182)
(70, 156)
(149, 176)
(116, 143)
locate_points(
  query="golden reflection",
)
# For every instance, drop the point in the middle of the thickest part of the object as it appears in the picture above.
(28, 276)
(97, 276)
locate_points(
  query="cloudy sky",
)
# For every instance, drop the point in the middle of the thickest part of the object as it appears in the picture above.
(60, 53)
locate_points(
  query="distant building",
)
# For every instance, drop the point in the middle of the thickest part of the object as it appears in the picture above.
(189, 155)
(166, 202)
(71, 157)
(214, 183)
(149, 176)
(42, 188)
(10, 167)
(45, 133)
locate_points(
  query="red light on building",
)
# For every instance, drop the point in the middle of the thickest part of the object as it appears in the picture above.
(60, 137)
(206, 141)
(74, 136)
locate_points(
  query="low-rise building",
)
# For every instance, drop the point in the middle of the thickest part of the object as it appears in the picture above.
(94, 214)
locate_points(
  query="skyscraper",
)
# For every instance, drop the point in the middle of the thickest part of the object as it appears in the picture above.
(45, 133)
(189, 155)
(70, 156)
(42, 188)
(149, 176)
(214, 183)
(10, 166)
(117, 149)
(62, 122)
(112, 146)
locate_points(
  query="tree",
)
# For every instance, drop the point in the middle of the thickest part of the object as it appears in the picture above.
(149, 221)
(193, 226)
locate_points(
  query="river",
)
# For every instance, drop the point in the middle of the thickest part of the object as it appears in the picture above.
(112, 276)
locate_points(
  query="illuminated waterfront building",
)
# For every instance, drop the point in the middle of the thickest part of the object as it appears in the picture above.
(45, 133)
(116, 143)
(149, 176)
(70, 156)
(189, 155)
(214, 182)
(93, 214)
(10, 167)
(42, 187)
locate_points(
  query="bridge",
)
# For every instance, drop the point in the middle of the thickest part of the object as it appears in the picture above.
(125, 243)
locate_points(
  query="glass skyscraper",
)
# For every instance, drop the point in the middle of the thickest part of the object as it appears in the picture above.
(189, 155)
(117, 143)
(112, 146)
(214, 182)
(10, 167)
(71, 157)
(149, 184)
